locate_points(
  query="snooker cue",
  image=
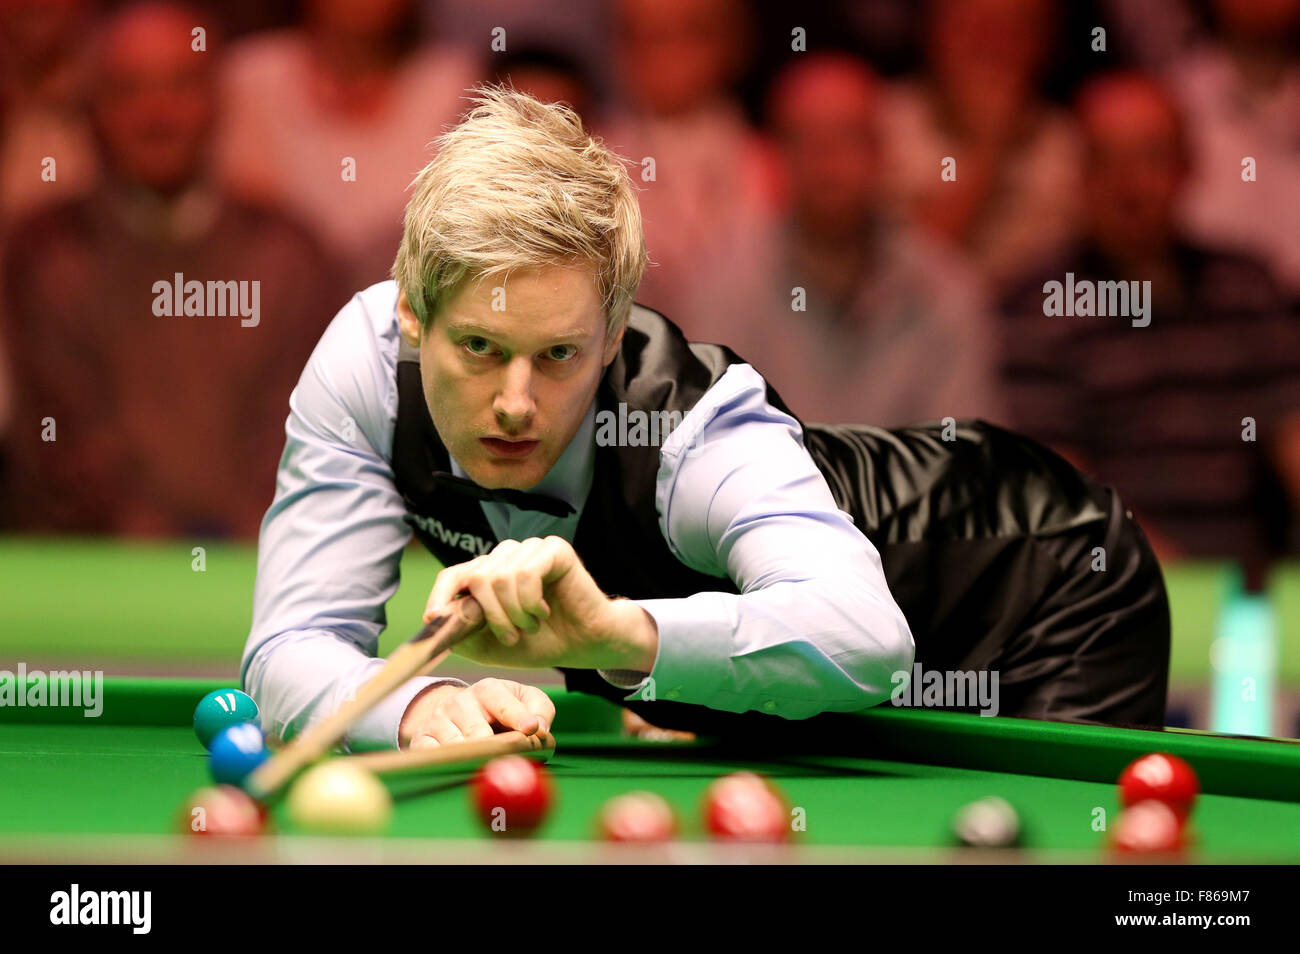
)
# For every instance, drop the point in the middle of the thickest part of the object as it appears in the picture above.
(429, 646)
(459, 756)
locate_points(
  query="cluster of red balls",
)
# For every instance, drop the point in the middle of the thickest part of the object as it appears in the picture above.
(512, 796)
(1158, 792)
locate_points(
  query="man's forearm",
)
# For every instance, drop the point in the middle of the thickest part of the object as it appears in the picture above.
(794, 649)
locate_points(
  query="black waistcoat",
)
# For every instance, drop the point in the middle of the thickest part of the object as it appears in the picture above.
(952, 518)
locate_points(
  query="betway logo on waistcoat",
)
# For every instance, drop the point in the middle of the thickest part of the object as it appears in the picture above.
(470, 543)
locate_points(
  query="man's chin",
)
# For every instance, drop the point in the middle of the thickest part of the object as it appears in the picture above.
(496, 474)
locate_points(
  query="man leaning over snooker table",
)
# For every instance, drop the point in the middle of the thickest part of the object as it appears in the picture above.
(747, 566)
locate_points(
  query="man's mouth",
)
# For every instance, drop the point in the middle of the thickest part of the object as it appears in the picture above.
(511, 449)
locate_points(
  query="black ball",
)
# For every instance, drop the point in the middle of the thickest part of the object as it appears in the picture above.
(988, 823)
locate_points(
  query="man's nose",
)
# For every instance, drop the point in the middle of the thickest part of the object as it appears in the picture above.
(514, 404)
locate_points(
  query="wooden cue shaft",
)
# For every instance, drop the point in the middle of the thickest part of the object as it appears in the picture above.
(460, 756)
(431, 643)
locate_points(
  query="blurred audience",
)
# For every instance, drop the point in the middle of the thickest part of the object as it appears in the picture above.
(1158, 410)
(981, 105)
(162, 425)
(1152, 33)
(1241, 95)
(354, 82)
(893, 328)
(712, 174)
(577, 32)
(42, 89)
(831, 253)
(550, 75)
(6, 401)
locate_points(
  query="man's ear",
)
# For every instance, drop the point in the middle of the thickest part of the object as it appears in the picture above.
(407, 323)
(611, 345)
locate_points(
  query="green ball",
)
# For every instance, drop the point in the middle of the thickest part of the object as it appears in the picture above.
(221, 709)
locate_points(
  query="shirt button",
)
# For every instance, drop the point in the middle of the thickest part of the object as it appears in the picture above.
(672, 693)
(769, 706)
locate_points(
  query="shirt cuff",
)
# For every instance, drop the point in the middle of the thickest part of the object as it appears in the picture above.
(696, 639)
(624, 678)
(378, 728)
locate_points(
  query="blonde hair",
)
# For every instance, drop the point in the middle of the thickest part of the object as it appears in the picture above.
(519, 184)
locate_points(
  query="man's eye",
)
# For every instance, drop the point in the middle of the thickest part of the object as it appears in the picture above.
(478, 346)
(561, 352)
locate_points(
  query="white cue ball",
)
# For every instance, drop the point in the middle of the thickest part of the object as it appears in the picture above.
(338, 798)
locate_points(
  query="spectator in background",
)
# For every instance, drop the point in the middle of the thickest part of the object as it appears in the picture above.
(163, 425)
(577, 32)
(355, 83)
(549, 74)
(1150, 34)
(713, 175)
(42, 85)
(981, 104)
(1241, 96)
(1158, 411)
(6, 403)
(6, 397)
(895, 329)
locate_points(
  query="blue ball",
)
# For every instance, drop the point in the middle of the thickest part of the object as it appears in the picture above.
(235, 752)
(219, 709)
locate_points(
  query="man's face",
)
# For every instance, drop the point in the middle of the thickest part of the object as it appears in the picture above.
(826, 127)
(677, 52)
(1134, 173)
(510, 367)
(154, 102)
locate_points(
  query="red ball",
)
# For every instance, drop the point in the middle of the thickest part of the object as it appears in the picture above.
(637, 817)
(512, 795)
(745, 807)
(223, 810)
(1148, 827)
(1162, 778)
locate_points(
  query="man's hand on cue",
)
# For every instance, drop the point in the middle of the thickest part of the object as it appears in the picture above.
(445, 715)
(542, 608)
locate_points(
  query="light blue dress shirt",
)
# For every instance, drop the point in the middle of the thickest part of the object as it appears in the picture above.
(813, 629)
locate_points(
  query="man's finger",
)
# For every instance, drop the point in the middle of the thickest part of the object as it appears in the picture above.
(468, 715)
(528, 584)
(441, 729)
(506, 707)
(448, 583)
(557, 558)
(538, 703)
(506, 589)
(498, 620)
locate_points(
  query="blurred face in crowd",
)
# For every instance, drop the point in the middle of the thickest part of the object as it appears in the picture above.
(824, 115)
(1136, 164)
(362, 19)
(154, 101)
(34, 33)
(986, 53)
(676, 53)
(551, 86)
(1257, 19)
(507, 389)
